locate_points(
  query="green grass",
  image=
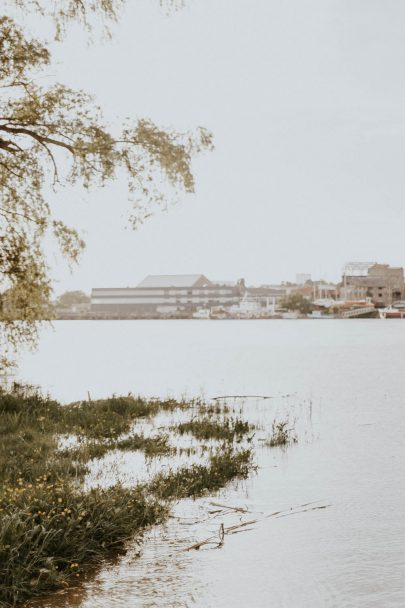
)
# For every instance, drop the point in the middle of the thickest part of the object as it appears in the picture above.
(30, 425)
(216, 408)
(226, 429)
(197, 479)
(283, 433)
(52, 531)
(151, 446)
(51, 534)
(91, 449)
(110, 418)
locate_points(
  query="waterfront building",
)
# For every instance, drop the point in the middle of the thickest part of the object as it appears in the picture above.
(379, 283)
(165, 295)
(258, 301)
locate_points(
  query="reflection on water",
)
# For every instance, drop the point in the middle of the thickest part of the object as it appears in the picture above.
(347, 388)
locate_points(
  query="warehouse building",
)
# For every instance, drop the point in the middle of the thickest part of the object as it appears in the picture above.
(165, 294)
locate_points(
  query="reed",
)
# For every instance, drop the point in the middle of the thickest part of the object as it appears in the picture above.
(225, 429)
(283, 433)
(198, 479)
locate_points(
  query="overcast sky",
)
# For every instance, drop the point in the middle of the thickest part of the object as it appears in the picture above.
(306, 100)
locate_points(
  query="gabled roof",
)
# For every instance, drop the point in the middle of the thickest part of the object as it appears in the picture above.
(175, 280)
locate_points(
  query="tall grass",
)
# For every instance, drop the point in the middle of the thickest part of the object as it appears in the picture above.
(51, 533)
(226, 429)
(198, 479)
(283, 433)
(52, 530)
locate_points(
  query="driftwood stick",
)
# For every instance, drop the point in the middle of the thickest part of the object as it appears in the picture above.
(240, 531)
(242, 397)
(303, 511)
(243, 526)
(221, 536)
(228, 507)
(223, 531)
(291, 509)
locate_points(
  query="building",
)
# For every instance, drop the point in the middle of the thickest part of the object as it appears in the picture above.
(259, 301)
(165, 295)
(380, 283)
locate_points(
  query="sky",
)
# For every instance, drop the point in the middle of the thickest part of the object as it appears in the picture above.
(306, 101)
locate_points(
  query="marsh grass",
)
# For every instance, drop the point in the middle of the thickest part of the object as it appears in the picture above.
(92, 449)
(197, 479)
(216, 408)
(52, 531)
(225, 429)
(30, 425)
(151, 446)
(283, 433)
(110, 418)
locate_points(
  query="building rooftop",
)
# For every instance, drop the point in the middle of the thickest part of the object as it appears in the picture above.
(175, 280)
(357, 269)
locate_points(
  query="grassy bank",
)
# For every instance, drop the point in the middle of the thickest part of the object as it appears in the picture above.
(52, 530)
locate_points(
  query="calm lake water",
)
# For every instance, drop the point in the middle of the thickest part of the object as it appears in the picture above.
(344, 382)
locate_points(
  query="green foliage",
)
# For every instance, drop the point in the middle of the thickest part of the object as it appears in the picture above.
(52, 136)
(296, 302)
(70, 298)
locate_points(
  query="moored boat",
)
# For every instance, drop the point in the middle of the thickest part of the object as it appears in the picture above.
(395, 311)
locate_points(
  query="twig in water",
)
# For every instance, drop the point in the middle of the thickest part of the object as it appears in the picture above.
(239, 509)
(221, 536)
(223, 530)
(238, 527)
(291, 509)
(304, 511)
(242, 397)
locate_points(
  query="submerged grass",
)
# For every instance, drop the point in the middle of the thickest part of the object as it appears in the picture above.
(51, 529)
(226, 429)
(110, 418)
(216, 408)
(30, 425)
(198, 479)
(91, 449)
(283, 433)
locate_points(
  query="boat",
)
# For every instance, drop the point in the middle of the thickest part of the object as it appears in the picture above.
(320, 314)
(201, 313)
(395, 311)
(290, 315)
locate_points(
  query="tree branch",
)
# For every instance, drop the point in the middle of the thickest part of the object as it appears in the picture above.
(42, 139)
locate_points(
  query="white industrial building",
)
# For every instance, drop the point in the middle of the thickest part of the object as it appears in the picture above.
(164, 294)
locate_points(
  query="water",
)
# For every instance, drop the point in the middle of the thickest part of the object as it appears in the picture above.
(346, 385)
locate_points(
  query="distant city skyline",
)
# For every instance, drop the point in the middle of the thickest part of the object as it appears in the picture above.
(353, 268)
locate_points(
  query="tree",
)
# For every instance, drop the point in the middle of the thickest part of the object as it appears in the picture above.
(296, 302)
(70, 298)
(43, 130)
